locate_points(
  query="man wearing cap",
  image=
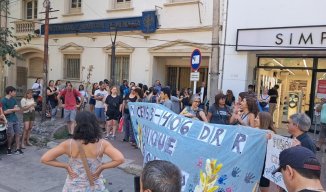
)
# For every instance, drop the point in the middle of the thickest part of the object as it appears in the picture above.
(300, 170)
(299, 124)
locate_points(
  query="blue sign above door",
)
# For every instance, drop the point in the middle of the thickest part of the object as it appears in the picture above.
(147, 23)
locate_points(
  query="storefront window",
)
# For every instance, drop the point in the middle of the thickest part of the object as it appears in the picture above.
(287, 62)
(322, 63)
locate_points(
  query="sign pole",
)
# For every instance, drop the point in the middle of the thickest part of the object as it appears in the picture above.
(195, 84)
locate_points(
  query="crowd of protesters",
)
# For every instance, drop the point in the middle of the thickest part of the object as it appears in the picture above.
(109, 104)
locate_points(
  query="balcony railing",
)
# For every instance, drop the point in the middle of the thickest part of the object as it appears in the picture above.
(25, 27)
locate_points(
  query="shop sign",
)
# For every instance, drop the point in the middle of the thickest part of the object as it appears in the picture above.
(282, 38)
(321, 88)
(147, 23)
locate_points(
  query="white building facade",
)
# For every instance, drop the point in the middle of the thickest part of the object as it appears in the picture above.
(277, 42)
(154, 41)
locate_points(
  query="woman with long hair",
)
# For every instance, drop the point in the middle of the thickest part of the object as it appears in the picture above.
(83, 92)
(28, 107)
(229, 99)
(127, 126)
(52, 92)
(264, 121)
(247, 113)
(264, 100)
(193, 111)
(87, 144)
(91, 99)
(113, 108)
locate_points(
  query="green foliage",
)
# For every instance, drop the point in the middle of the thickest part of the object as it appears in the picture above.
(8, 41)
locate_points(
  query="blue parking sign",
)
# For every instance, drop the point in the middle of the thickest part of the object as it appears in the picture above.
(195, 59)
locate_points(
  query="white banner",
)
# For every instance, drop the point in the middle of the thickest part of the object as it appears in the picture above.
(274, 147)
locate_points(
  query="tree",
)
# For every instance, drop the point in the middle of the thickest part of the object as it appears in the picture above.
(8, 41)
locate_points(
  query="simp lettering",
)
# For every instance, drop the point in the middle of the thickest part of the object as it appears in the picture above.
(302, 38)
(154, 138)
(157, 115)
(239, 143)
(323, 36)
(161, 141)
(279, 37)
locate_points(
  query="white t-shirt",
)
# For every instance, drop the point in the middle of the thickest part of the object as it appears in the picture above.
(37, 87)
(104, 93)
(24, 102)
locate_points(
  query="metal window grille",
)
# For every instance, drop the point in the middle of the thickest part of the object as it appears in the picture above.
(72, 67)
(121, 69)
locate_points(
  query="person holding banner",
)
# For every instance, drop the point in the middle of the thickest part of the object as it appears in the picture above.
(300, 169)
(249, 112)
(299, 124)
(219, 113)
(194, 111)
(264, 121)
(322, 134)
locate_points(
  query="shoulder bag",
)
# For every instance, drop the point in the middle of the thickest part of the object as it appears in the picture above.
(86, 167)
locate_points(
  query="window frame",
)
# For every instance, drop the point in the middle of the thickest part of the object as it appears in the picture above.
(125, 4)
(65, 66)
(121, 71)
(77, 9)
(34, 10)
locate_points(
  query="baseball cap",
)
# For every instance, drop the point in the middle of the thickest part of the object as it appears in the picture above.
(298, 157)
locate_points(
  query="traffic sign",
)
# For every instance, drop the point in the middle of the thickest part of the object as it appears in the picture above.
(194, 76)
(195, 59)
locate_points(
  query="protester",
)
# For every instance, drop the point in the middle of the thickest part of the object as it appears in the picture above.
(28, 107)
(165, 97)
(92, 100)
(87, 141)
(113, 109)
(157, 85)
(185, 98)
(194, 111)
(70, 106)
(249, 112)
(322, 132)
(273, 93)
(264, 121)
(154, 97)
(124, 89)
(127, 127)
(10, 107)
(37, 88)
(99, 97)
(300, 169)
(83, 92)
(52, 93)
(219, 113)
(251, 91)
(298, 126)
(175, 102)
(264, 100)
(230, 99)
(160, 176)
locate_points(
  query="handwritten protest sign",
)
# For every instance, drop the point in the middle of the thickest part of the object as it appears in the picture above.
(213, 157)
(274, 147)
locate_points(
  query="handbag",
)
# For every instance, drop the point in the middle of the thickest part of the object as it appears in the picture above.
(86, 167)
(120, 128)
(263, 104)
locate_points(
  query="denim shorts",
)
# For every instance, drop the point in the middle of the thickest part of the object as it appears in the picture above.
(100, 114)
(14, 128)
(70, 115)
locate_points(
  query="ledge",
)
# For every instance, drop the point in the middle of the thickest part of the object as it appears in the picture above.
(181, 3)
(119, 9)
(72, 14)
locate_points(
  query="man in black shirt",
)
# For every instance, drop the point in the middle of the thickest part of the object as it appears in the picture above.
(273, 93)
(300, 170)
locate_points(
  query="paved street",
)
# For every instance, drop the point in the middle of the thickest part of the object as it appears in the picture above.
(25, 173)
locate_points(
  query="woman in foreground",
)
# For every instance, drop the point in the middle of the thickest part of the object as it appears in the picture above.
(88, 138)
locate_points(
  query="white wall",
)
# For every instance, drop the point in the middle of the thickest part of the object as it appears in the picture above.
(262, 14)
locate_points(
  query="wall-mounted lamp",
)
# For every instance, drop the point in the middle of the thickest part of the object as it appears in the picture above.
(146, 37)
(55, 40)
(93, 38)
